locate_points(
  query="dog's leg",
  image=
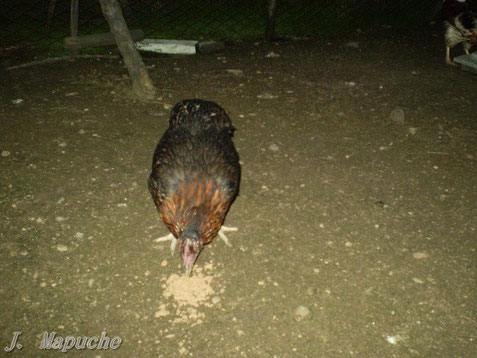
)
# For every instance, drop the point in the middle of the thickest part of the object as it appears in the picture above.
(448, 58)
(467, 47)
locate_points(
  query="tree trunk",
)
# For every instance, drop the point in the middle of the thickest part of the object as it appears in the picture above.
(142, 84)
(272, 11)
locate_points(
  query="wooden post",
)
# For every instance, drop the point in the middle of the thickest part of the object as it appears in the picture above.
(74, 22)
(51, 14)
(272, 11)
(142, 84)
(96, 40)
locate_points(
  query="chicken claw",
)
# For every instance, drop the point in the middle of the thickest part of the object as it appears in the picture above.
(223, 236)
(167, 238)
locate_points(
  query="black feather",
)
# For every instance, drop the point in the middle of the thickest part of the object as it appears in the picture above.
(196, 146)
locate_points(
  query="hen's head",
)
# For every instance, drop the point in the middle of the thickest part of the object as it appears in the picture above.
(190, 247)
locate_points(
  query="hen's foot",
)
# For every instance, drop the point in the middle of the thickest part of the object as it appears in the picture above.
(223, 236)
(167, 238)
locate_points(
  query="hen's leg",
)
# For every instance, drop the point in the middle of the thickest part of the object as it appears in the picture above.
(223, 236)
(167, 238)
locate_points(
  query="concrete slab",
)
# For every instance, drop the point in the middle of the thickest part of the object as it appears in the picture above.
(468, 62)
(181, 47)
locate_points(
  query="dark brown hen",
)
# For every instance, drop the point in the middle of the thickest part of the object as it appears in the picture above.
(195, 176)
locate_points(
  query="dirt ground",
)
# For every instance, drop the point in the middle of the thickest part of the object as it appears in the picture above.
(358, 202)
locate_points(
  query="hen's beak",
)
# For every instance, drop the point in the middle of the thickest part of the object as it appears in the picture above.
(189, 254)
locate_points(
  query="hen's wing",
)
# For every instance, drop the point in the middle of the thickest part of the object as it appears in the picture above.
(193, 171)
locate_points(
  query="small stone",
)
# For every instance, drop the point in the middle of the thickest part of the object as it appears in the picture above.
(391, 339)
(79, 235)
(397, 115)
(272, 55)
(216, 299)
(158, 114)
(17, 101)
(62, 248)
(348, 244)
(81, 131)
(273, 147)
(167, 106)
(60, 218)
(412, 130)
(5, 153)
(352, 44)
(301, 313)
(235, 72)
(381, 204)
(420, 255)
(266, 95)
(311, 291)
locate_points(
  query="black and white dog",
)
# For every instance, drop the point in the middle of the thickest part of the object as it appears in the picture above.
(460, 26)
